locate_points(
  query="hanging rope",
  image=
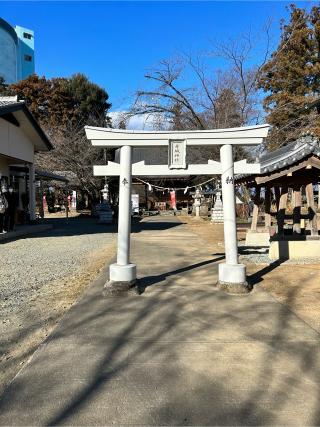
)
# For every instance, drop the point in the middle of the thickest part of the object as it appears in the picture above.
(158, 187)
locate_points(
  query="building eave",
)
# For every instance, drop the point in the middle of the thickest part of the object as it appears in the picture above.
(20, 106)
(284, 160)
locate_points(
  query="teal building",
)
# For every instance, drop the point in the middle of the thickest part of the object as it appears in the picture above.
(16, 52)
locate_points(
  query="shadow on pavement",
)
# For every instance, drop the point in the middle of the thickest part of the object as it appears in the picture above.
(82, 225)
(253, 250)
(188, 393)
(152, 224)
(195, 357)
(145, 282)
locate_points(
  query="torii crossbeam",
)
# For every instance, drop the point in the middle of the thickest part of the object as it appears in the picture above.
(232, 275)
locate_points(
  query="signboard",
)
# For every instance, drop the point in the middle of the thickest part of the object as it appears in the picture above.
(177, 154)
(135, 203)
(74, 199)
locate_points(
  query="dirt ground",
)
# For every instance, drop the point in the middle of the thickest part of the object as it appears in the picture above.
(297, 286)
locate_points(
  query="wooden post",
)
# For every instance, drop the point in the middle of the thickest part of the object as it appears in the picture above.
(255, 213)
(277, 197)
(32, 193)
(41, 208)
(296, 210)
(282, 209)
(267, 206)
(66, 201)
(312, 209)
(146, 196)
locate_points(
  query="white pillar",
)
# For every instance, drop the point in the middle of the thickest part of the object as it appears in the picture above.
(232, 275)
(123, 273)
(229, 205)
(32, 193)
(124, 221)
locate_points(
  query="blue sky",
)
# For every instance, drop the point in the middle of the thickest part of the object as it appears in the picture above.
(113, 43)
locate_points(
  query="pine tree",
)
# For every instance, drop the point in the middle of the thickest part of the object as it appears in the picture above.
(61, 104)
(291, 79)
(315, 84)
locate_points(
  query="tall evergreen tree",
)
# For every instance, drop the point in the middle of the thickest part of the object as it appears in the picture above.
(63, 103)
(291, 78)
(315, 21)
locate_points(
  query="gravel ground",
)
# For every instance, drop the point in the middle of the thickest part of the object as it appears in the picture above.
(28, 264)
(260, 255)
(40, 278)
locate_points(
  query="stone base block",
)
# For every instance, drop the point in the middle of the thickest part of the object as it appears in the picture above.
(254, 238)
(294, 249)
(112, 288)
(232, 279)
(122, 278)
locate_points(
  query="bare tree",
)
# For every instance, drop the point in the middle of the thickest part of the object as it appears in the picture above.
(243, 74)
(216, 98)
(74, 153)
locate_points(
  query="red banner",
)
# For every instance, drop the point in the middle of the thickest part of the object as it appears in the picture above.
(173, 201)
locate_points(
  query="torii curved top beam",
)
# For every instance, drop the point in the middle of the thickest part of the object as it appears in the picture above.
(107, 137)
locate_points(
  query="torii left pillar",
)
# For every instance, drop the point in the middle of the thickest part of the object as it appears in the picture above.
(232, 275)
(123, 274)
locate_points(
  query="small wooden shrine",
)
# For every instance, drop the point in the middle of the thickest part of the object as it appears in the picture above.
(286, 192)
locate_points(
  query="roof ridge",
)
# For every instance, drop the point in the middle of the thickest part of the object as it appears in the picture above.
(10, 100)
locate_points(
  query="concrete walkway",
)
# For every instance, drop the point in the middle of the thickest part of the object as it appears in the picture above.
(182, 353)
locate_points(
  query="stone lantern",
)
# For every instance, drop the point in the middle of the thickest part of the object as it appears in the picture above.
(105, 193)
(217, 210)
(197, 201)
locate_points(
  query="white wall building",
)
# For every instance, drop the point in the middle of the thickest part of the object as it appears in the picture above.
(16, 52)
(20, 138)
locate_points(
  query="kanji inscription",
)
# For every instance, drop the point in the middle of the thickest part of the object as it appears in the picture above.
(177, 154)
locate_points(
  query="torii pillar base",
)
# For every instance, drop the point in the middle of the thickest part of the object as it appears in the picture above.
(122, 278)
(232, 279)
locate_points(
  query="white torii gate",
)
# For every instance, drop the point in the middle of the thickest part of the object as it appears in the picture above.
(232, 275)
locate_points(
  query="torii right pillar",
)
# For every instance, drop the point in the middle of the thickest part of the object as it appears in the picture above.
(232, 275)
